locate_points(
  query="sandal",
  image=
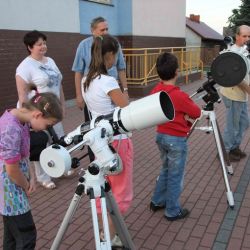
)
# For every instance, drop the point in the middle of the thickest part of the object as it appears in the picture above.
(48, 184)
(69, 173)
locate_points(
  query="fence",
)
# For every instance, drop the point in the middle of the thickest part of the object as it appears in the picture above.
(141, 63)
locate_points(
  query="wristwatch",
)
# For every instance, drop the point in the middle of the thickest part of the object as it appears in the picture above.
(125, 89)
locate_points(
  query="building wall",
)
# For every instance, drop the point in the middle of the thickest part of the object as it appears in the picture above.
(137, 23)
(158, 23)
(46, 15)
(159, 18)
(192, 39)
(118, 14)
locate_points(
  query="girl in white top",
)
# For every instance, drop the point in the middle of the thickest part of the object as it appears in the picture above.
(43, 72)
(102, 94)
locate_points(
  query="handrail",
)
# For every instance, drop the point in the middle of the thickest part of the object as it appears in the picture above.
(141, 68)
(162, 48)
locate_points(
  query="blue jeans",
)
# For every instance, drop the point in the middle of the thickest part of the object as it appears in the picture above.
(237, 121)
(170, 181)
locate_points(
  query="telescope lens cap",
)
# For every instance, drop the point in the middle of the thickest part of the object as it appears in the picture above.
(229, 69)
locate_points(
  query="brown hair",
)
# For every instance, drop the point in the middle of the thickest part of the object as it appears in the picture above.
(47, 103)
(101, 45)
(32, 37)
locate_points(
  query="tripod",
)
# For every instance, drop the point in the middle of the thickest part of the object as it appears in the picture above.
(98, 135)
(208, 111)
(56, 159)
(94, 184)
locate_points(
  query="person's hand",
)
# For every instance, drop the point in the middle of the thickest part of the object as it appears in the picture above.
(188, 118)
(32, 186)
(80, 102)
(125, 92)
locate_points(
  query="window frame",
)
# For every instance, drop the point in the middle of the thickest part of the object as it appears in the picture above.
(105, 2)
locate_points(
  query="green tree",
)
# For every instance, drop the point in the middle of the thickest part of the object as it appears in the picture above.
(240, 16)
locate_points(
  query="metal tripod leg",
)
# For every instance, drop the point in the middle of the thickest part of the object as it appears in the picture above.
(68, 216)
(114, 213)
(209, 129)
(106, 243)
(118, 222)
(217, 136)
(225, 154)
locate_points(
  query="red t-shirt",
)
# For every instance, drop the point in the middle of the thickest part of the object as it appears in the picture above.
(183, 105)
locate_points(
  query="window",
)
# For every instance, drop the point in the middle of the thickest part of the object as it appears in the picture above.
(102, 1)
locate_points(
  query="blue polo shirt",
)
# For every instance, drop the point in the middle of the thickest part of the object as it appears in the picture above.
(83, 58)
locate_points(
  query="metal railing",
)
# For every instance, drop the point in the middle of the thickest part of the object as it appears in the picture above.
(141, 62)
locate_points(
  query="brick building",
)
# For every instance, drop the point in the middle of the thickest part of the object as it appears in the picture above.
(136, 23)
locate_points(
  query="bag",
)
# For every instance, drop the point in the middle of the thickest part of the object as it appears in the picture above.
(38, 142)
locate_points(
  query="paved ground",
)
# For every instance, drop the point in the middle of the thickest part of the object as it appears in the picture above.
(211, 224)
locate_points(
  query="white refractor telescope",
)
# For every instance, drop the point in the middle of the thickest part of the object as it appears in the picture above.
(98, 134)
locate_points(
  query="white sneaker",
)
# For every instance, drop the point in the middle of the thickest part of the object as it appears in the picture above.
(116, 241)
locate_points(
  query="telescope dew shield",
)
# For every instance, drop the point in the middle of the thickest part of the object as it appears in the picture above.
(229, 68)
(146, 112)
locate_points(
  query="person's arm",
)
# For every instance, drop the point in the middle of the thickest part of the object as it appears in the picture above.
(119, 99)
(17, 176)
(21, 90)
(79, 67)
(189, 107)
(79, 98)
(121, 69)
(244, 86)
(123, 79)
(32, 182)
(62, 99)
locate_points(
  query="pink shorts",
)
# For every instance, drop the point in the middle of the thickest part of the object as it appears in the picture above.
(122, 184)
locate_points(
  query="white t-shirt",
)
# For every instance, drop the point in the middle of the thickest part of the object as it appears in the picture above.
(96, 96)
(46, 76)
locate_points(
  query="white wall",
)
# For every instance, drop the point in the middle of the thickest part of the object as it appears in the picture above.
(192, 39)
(162, 18)
(45, 15)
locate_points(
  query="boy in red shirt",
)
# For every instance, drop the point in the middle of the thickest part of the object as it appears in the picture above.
(171, 139)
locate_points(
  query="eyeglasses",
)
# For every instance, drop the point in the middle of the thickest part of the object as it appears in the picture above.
(106, 29)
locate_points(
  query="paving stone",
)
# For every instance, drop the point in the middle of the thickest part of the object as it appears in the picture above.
(211, 224)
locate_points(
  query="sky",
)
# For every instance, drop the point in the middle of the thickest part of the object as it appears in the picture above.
(214, 13)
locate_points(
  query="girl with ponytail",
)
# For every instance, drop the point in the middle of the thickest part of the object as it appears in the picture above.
(17, 179)
(102, 95)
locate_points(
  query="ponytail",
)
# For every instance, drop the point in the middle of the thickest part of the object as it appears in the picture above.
(47, 103)
(101, 45)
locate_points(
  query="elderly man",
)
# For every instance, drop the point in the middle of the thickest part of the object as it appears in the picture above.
(99, 26)
(235, 99)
